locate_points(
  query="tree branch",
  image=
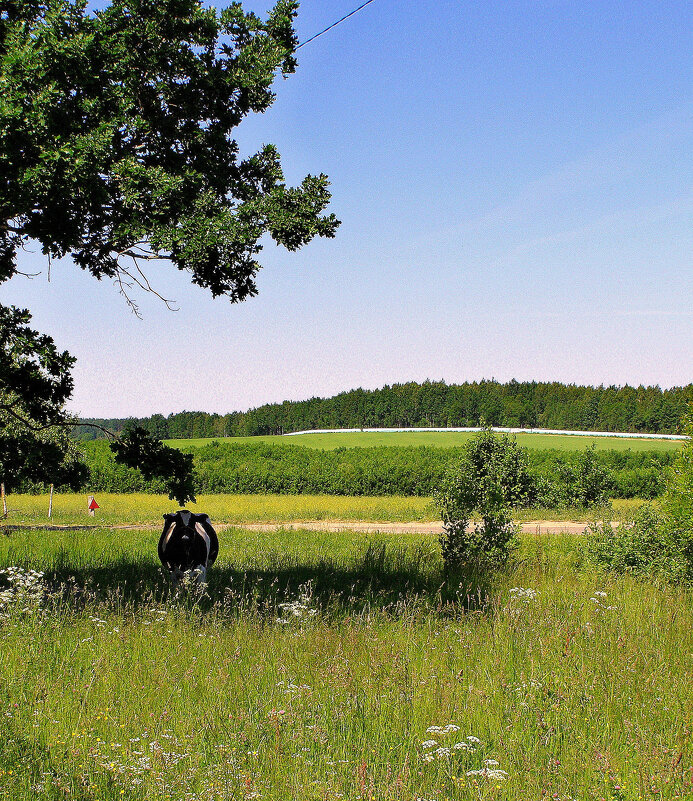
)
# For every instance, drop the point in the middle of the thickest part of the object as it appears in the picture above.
(121, 288)
(143, 283)
(57, 424)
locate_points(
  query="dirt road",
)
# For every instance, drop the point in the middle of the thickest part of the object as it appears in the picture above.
(532, 527)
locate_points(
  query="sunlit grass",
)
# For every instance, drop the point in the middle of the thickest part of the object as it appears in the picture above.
(617, 509)
(441, 439)
(579, 687)
(140, 509)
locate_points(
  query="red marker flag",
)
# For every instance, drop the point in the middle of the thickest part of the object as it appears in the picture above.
(93, 504)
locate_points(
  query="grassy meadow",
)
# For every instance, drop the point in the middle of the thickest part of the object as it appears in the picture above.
(319, 667)
(146, 509)
(442, 439)
(133, 509)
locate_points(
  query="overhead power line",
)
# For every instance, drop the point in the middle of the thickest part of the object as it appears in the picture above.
(334, 24)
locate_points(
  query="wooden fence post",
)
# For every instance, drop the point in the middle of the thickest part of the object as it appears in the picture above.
(50, 504)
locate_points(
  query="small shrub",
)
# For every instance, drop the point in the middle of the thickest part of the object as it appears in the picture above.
(490, 474)
(644, 547)
(659, 542)
(581, 482)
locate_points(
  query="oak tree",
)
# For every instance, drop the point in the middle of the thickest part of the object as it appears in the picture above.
(116, 148)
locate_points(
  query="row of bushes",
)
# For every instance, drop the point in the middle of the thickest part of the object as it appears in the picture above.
(658, 544)
(559, 478)
(493, 475)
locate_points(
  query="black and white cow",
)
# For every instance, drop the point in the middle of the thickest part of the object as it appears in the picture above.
(188, 545)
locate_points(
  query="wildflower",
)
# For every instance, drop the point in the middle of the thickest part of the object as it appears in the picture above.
(442, 752)
(300, 608)
(24, 593)
(488, 773)
(473, 739)
(428, 743)
(525, 593)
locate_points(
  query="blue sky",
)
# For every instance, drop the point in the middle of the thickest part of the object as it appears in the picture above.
(515, 185)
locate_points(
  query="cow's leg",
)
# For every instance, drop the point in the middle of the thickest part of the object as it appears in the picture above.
(199, 574)
(177, 576)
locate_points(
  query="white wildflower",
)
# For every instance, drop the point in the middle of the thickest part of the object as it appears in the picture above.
(24, 593)
(299, 609)
(488, 773)
(525, 593)
(428, 743)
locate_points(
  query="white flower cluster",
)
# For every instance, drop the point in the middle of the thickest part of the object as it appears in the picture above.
(525, 593)
(443, 751)
(599, 600)
(24, 593)
(300, 609)
(450, 727)
(295, 610)
(433, 750)
(489, 771)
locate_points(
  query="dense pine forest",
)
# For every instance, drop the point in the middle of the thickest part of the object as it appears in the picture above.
(437, 404)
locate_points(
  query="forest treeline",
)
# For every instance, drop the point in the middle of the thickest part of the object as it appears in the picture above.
(435, 404)
(284, 468)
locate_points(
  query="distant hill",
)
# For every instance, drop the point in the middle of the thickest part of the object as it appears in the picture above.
(528, 404)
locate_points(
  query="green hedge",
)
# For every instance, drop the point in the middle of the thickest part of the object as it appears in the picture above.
(292, 469)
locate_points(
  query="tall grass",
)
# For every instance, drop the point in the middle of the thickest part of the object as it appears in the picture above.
(314, 665)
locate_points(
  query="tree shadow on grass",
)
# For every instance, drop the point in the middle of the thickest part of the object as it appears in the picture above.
(392, 581)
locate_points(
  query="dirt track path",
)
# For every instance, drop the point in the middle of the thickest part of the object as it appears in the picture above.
(531, 527)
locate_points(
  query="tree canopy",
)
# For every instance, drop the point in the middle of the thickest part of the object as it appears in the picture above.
(116, 148)
(35, 382)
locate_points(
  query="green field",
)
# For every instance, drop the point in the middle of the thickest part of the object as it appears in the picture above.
(144, 509)
(444, 440)
(123, 509)
(314, 668)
